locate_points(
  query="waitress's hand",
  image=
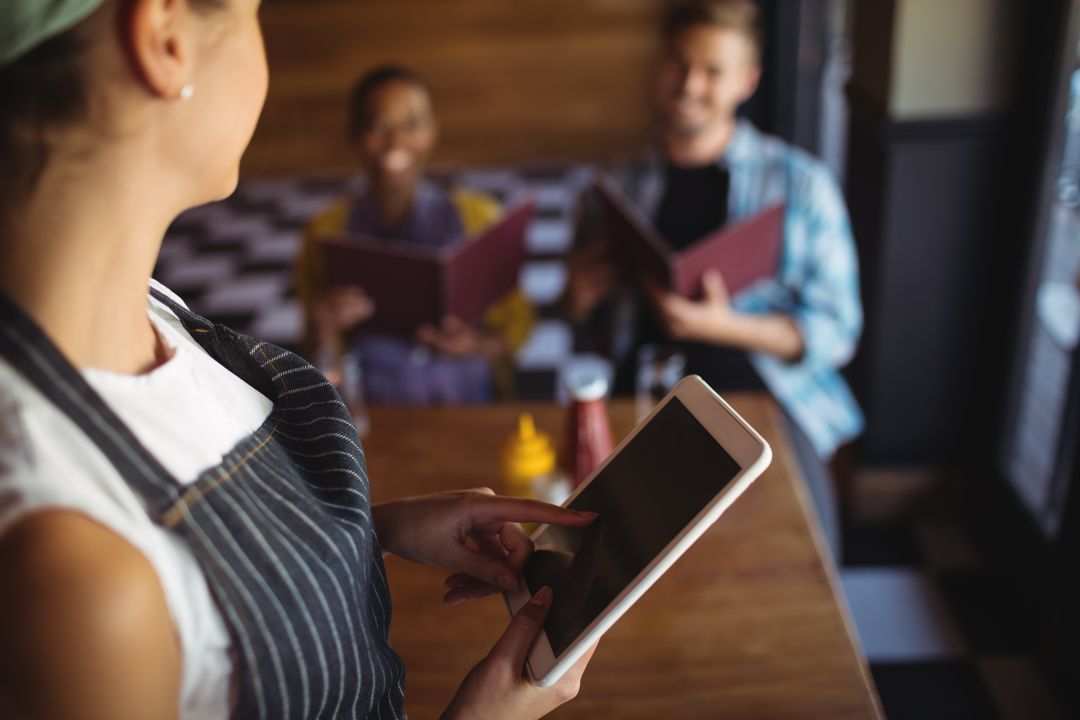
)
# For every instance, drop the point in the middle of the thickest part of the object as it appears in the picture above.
(498, 686)
(472, 531)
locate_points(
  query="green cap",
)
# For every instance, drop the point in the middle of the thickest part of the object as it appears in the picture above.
(25, 24)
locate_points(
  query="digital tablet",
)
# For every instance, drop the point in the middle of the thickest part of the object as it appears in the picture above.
(661, 488)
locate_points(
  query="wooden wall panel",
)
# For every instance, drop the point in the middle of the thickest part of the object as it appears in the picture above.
(514, 81)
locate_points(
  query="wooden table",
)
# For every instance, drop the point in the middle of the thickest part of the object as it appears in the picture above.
(749, 623)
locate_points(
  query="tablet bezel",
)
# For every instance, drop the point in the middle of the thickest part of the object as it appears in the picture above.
(746, 447)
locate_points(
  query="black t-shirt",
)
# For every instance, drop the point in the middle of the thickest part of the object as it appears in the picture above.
(693, 205)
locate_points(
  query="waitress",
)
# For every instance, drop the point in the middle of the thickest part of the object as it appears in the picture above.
(185, 518)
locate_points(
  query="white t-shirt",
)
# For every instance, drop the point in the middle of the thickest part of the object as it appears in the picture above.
(188, 413)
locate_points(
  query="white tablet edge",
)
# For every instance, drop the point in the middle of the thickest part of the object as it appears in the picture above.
(746, 447)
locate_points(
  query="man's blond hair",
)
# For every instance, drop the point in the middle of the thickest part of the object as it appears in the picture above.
(742, 16)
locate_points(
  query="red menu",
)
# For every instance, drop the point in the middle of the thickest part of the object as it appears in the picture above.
(744, 251)
(415, 285)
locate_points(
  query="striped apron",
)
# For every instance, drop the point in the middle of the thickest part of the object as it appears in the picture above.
(281, 528)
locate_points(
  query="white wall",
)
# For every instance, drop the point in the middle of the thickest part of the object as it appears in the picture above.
(952, 57)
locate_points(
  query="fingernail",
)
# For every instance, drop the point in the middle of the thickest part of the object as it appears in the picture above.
(507, 582)
(542, 597)
(586, 514)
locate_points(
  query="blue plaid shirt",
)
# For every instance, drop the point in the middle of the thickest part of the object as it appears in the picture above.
(818, 282)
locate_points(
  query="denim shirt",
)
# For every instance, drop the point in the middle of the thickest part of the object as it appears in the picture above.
(817, 285)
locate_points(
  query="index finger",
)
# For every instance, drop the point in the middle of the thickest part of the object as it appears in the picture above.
(508, 509)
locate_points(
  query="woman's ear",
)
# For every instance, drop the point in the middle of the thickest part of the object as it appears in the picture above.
(158, 38)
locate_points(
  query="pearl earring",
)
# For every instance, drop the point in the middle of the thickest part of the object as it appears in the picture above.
(187, 91)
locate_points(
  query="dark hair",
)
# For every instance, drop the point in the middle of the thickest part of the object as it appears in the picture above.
(359, 118)
(43, 91)
(742, 16)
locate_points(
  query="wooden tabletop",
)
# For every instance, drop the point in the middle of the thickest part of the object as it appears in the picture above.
(749, 623)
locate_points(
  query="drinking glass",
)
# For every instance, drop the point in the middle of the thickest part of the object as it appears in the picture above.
(659, 369)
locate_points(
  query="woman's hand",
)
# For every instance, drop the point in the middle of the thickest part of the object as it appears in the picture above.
(460, 339)
(472, 531)
(498, 686)
(339, 309)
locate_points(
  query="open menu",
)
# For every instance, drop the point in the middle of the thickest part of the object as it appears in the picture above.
(744, 251)
(414, 285)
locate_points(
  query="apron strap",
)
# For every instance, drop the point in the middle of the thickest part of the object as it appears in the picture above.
(33, 355)
(237, 353)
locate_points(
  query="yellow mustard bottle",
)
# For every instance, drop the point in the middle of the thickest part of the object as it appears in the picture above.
(528, 462)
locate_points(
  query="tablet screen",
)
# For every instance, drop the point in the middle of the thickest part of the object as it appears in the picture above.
(645, 497)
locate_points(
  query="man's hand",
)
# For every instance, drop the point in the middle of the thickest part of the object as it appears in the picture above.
(713, 320)
(591, 277)
(705, 320)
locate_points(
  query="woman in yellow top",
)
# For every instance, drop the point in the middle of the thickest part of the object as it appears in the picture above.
(393, 129)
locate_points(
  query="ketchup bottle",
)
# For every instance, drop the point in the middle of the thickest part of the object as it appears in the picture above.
(588, 432)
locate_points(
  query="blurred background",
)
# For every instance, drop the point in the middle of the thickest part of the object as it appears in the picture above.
(954, 128)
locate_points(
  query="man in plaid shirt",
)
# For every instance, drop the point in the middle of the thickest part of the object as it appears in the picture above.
(789, 334)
